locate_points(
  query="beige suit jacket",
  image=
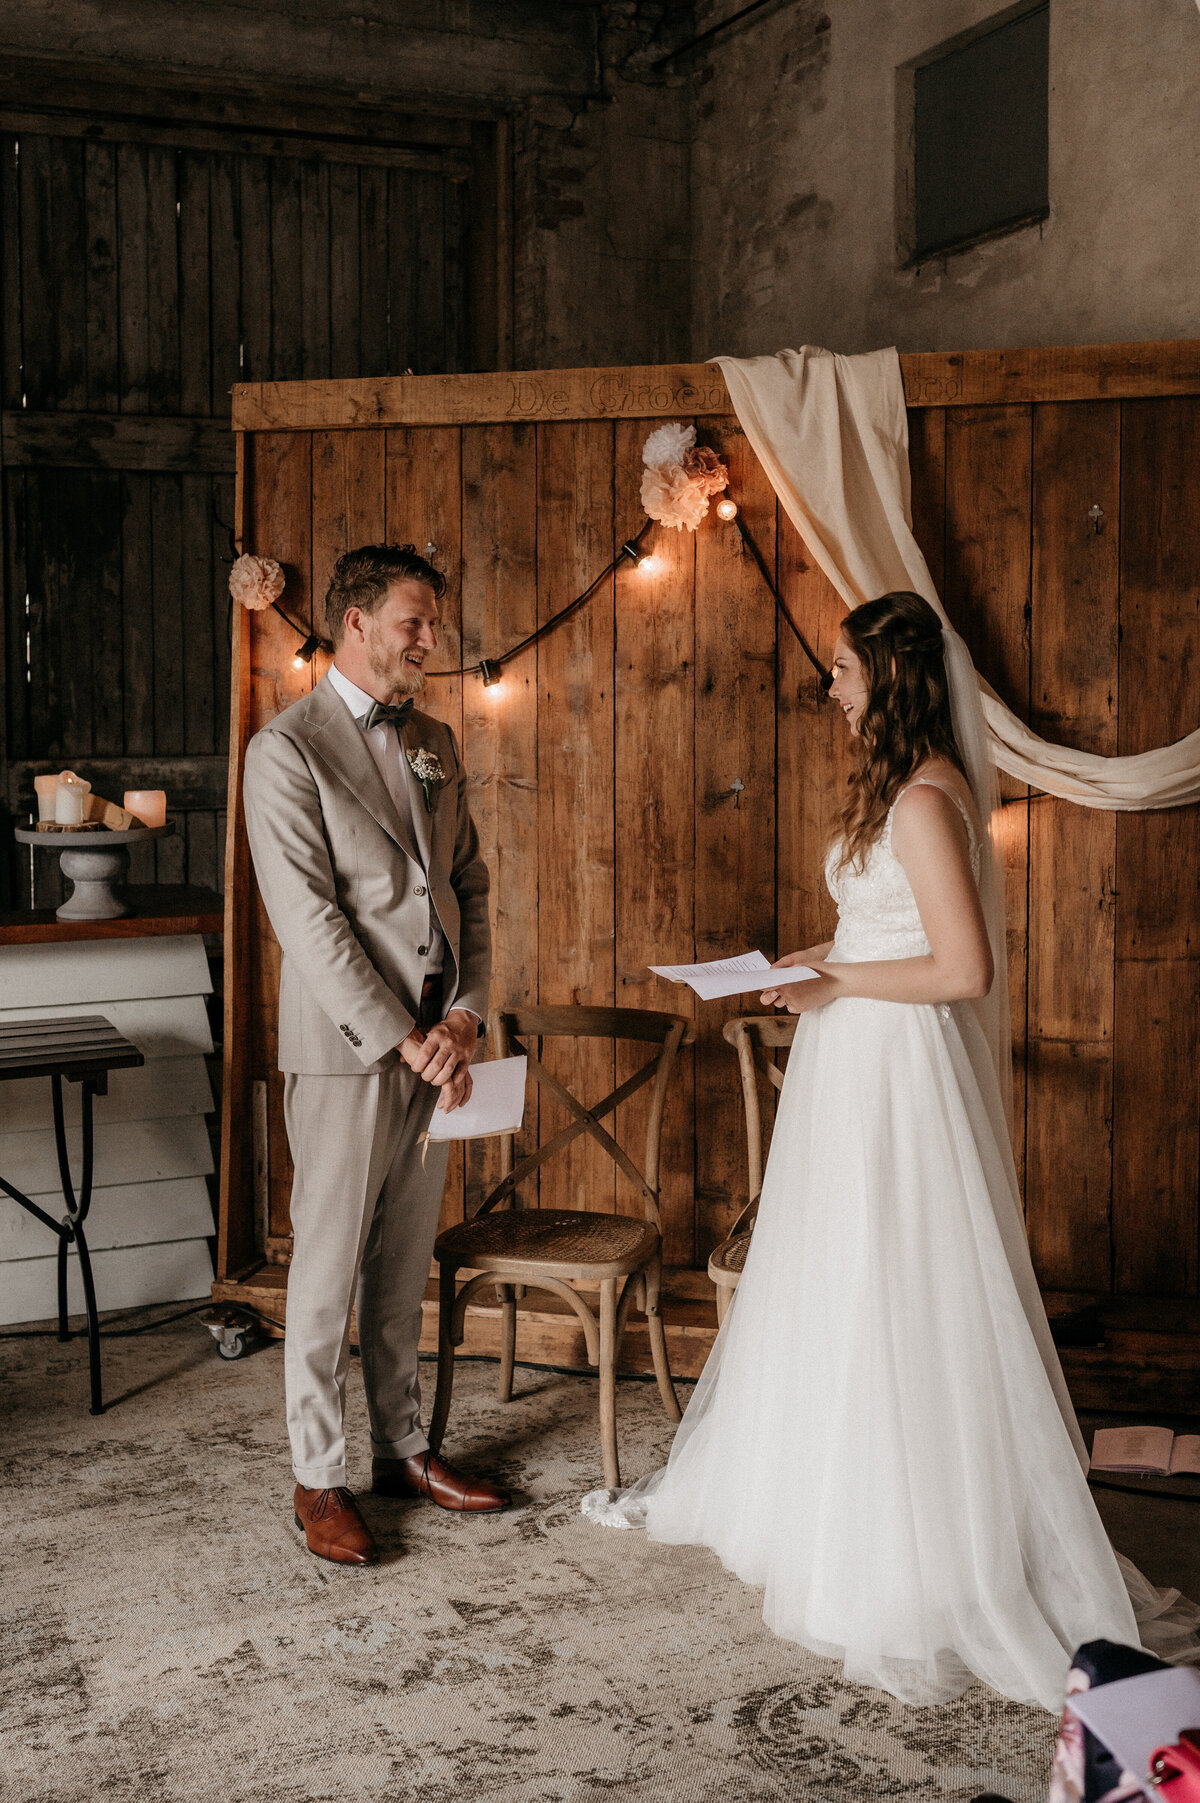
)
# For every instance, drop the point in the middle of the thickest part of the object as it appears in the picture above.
(347, 884)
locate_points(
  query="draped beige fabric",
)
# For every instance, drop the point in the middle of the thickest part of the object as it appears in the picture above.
(832, 435)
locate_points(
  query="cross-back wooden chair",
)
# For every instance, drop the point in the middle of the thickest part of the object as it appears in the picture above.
(756, 1038)
(517, 1248)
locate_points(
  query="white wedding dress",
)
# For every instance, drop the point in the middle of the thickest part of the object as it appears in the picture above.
(882, 1437)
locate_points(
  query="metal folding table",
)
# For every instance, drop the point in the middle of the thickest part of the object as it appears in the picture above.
(83, 1050)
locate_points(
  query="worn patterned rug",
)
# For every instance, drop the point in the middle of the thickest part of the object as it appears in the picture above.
(163, 1634)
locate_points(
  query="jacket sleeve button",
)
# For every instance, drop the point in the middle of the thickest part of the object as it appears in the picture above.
(421, 950)
(420, 892)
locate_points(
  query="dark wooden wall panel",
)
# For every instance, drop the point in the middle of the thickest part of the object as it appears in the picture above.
(1072, 877)
(576, 945)
(986, 589)
(1157, 1113)
(141, 280)
(500, 726)
(735, 745)
(654, 872)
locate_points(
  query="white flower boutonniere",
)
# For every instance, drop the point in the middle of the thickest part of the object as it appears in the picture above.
(426, 767)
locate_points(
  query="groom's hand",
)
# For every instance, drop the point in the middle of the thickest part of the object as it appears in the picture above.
(447, 1048)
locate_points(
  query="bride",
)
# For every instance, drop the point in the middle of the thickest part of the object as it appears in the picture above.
(882, 1437)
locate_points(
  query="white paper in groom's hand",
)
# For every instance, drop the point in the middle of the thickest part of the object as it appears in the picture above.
(730, 976)
(496, 1105)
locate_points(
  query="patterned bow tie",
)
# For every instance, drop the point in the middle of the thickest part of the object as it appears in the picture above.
(381, 714)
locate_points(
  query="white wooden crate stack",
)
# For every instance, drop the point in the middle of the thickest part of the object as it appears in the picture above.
(151, 1217)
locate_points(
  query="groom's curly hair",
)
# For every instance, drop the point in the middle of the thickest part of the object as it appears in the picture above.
(898, 641)
(361, 579)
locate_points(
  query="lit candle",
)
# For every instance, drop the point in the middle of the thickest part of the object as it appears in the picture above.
(70, 793)
(46, 787)
(147, 805)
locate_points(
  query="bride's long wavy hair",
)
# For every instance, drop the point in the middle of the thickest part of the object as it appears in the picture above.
(898, 641)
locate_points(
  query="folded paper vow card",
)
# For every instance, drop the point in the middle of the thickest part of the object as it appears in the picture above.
(1152, 1451)
(496, 1105)
(731, 976)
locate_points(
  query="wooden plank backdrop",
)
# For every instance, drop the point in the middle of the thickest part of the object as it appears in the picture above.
(655, 780)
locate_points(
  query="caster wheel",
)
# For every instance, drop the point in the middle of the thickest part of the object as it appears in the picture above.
(231, 1345)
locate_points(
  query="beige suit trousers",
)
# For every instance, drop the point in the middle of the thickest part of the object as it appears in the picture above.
(364, 1219)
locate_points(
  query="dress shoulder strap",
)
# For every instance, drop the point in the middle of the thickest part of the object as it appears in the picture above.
(927, 782)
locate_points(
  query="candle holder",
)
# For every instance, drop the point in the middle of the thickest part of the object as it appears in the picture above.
(95, 861)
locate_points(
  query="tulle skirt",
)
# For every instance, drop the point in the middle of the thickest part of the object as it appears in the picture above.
(882, 1438)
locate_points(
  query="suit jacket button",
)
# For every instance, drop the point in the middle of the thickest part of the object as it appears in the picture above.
(420, 892)
(421, 950)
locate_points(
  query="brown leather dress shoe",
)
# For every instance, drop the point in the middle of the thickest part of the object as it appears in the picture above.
(333, 1527)
(424, 1474)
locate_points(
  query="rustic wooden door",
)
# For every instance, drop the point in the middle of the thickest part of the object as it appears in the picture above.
(144, 272)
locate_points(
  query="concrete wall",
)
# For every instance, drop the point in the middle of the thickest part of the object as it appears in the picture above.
(794, 168)
(746, 201)
(600, 171)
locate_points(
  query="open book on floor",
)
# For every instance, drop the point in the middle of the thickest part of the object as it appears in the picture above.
(1152, 1451)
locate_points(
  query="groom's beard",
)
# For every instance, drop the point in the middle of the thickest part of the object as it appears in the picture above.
(397, 676)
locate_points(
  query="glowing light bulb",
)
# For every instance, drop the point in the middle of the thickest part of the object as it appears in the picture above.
(494, 690)
(727, 508)
(649, 566)
(297, 662)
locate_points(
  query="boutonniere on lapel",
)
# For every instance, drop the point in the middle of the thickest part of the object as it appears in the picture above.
(426, 767)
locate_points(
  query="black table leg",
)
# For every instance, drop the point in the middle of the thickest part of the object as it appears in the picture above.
(76, 1216)
(64, 1240)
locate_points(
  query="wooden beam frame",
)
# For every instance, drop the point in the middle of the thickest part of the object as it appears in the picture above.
(694, 390)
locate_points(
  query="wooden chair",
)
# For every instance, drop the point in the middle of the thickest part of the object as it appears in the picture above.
(755, 1038)
(550, 1248)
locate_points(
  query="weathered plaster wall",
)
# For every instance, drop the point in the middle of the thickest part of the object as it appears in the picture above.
(793, 197)
(600, 187)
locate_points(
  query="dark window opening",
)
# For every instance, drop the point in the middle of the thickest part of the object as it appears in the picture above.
(981, 161)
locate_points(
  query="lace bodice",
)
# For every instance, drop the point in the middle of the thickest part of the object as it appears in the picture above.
(877, 913)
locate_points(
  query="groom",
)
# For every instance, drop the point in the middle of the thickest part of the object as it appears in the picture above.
(369, 866)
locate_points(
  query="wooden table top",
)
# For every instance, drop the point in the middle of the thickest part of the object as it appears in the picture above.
(159, 909)
(71, 1047)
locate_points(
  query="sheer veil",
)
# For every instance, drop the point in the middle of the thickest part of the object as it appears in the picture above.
(971, 736)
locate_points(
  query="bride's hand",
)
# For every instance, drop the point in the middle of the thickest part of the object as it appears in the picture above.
(801, 998)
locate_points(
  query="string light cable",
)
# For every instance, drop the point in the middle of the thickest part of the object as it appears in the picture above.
(491, 669)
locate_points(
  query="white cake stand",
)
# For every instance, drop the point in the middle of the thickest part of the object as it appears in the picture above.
(96, 862)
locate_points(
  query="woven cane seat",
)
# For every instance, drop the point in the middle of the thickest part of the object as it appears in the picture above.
(728, 1260)
(549, 1236)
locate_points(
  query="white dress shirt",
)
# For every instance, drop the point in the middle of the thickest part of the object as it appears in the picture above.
(383, 742)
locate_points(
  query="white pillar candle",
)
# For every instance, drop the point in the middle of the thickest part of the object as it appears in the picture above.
(46, 787)
(69, 795)
(147, 805)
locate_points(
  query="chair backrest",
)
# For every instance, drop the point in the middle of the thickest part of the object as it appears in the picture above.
(756, 1038)
(515, 1029)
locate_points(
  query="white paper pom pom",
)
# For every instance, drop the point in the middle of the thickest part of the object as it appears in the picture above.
(668, 444)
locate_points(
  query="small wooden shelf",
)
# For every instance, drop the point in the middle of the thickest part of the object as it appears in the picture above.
(159, 909)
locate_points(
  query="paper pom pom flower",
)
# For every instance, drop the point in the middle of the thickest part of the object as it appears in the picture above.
(671, 497)
(669, 444)
(706, 470)
(679, 477)
(256, 581)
